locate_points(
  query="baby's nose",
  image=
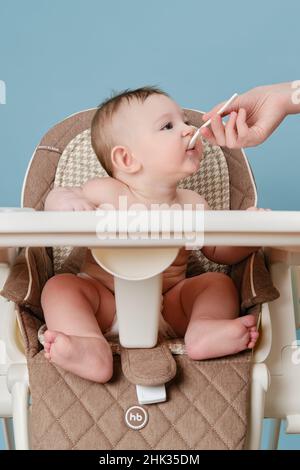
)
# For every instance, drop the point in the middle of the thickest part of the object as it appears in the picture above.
(189, 130)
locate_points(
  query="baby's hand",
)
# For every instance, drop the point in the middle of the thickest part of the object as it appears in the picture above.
(76, 204)
(257, 209)
(68, 199)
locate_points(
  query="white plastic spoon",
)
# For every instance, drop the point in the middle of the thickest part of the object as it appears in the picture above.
(207, 123)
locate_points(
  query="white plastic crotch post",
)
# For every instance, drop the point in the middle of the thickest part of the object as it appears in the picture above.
(138, 290)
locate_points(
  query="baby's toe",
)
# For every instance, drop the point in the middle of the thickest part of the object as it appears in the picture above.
(249, 321)
(253, 338)
(50, 336)
(254, 335)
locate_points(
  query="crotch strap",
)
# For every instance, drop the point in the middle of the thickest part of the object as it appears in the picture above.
(149, 369)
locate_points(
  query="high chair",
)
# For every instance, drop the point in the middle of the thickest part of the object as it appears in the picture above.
(207, 404)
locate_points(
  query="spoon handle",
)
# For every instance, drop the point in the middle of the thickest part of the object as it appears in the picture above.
(207, 123)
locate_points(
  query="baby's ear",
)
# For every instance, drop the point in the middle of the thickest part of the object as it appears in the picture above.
(123, 160)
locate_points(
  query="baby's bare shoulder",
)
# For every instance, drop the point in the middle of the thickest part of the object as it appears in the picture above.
(103, 189)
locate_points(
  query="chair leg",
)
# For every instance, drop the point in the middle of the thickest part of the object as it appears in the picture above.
(259, 385)
(274, 432)
(7, 433)
(20, 397)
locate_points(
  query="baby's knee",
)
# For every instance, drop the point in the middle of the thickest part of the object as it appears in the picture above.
(102, 372)
(224, 283)
(219, 278)
(58, 284)
(103, 364)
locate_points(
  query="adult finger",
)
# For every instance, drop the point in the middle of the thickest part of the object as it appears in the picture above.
(217, 128)
(208, 135)
(243, 130)
(230, 131)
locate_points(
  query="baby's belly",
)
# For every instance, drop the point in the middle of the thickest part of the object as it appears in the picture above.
(171, 276)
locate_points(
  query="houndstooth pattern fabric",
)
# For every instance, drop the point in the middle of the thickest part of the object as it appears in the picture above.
(78, 163)
(212, 182)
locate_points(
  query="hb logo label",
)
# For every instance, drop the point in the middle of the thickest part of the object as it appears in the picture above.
(136, 417)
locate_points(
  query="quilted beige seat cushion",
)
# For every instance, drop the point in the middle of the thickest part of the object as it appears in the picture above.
(206, 407)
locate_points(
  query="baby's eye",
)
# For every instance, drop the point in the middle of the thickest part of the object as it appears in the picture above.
(167, 126)
(187, 123)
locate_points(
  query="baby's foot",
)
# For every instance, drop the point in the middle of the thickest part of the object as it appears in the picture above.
(88, 357)
(223, 337)
(248, 334)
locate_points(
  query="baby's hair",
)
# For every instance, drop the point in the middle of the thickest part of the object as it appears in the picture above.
(101, 135)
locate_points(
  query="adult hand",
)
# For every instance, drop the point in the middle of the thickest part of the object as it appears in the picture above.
(253, 116)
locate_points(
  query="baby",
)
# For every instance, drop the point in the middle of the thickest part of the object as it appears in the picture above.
(141, 138)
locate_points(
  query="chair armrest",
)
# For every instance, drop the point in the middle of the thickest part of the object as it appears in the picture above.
(10, 351)
(254, 281)
(8, 255)
(28, 275)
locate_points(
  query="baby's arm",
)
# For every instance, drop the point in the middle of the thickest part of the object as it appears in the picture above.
(221, 254)
(229, 254)
(85, 198)
(67, 199)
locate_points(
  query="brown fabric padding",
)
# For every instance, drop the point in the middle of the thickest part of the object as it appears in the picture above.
(242, 192)
(42, 170)
(74, 261)
(4, 256)
(253, 281)
(207, 405)
(154, 366)
(37, 269)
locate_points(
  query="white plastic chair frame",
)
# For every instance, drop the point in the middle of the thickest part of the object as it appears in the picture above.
(276, 370)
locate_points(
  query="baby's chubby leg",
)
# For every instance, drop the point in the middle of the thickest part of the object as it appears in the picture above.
(75, 309)
(214, 329)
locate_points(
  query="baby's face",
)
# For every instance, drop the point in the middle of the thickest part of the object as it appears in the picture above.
(158, 134)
